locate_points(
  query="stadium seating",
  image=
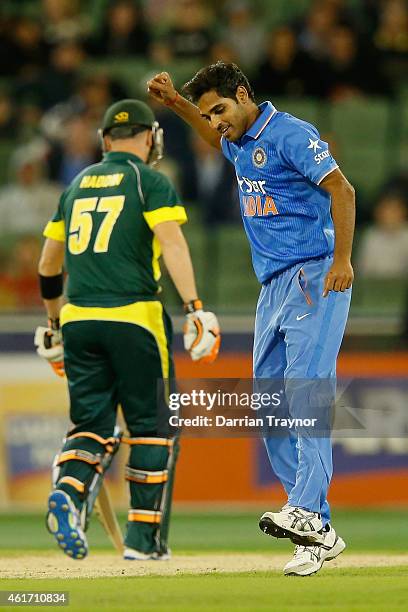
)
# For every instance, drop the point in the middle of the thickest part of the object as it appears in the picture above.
(307, 109)
(366, 147)
(280, 11)
(379, 296)
(6, 149)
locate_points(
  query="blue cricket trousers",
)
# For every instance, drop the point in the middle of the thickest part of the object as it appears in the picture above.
(298, 334)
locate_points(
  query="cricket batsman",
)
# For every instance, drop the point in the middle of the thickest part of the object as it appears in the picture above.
(298, 211)
(113, 337)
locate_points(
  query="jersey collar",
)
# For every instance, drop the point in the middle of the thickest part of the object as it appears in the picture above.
(119, 155)
(267, 112)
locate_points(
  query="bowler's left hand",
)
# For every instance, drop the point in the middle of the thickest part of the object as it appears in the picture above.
(339, 277)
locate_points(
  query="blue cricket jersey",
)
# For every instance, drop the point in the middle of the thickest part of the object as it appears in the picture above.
(280, 162)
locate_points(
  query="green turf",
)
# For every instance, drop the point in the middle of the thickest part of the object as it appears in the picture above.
(230, 531)
(349, 590)
(371, 590)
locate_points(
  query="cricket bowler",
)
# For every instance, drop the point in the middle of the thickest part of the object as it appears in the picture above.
(113, 337)
(298, 211)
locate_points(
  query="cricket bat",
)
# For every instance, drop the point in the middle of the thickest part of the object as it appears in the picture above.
(106, 514)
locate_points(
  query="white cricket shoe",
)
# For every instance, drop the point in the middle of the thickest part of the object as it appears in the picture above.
(301, 526)
(308, 560)
(131, 554)
(163, 556)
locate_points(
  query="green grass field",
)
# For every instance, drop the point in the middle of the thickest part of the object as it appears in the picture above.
(369, 535)
(357, 590)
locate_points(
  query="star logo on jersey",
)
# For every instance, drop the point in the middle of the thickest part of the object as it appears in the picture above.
(314, 144)
(259, 157)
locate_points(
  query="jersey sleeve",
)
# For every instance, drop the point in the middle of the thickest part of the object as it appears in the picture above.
(55, 228)
(302, 149)
(162, 202)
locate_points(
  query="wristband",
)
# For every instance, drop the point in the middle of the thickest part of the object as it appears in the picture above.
(172, 102)
(192, 306)
(51, 287)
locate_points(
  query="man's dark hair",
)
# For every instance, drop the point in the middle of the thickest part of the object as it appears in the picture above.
(125, 131)
(223, 78)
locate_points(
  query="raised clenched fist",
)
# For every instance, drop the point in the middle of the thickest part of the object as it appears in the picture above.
(161, 88)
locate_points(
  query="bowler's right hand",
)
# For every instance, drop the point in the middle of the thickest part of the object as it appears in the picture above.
(161, 88)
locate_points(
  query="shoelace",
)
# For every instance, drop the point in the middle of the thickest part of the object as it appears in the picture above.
(312, 550)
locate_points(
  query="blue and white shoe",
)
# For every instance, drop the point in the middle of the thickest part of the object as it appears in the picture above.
(63, 522)
(131, 554)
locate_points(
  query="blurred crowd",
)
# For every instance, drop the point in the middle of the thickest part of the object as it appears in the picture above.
(50, 107)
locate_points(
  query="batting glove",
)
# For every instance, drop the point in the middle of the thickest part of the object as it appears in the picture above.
(202, 336)
(48, 341)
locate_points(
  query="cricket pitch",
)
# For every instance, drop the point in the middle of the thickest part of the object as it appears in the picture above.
(97, 565)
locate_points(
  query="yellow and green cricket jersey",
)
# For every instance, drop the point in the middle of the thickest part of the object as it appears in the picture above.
(106, 217)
